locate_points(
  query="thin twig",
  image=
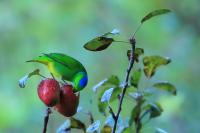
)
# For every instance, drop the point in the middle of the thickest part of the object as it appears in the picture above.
(91, 119)
(46, 119)
(131, 62)
(42, 76)
(112, 112)
(144, 114)
(121, 41)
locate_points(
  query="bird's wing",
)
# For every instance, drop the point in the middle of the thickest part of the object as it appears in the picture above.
(66, 61)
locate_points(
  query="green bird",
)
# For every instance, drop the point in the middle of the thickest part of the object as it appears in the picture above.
(66, 68)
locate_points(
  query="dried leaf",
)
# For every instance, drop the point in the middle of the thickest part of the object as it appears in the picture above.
(151, 63)
(106, 129)
(138, 52)
(75, 123)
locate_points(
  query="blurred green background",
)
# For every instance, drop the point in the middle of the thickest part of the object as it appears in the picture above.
(31, 27)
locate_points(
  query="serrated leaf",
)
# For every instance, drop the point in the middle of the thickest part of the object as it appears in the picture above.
(106, 129)
(107, 95)
(23, 80)
(151, 63)
(155, 109)
(166, 86)
(94, 126)
(75, 123)
(138, 52)
(135, 78)
(155, 13)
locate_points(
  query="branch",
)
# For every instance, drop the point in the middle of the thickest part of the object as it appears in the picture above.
(46, 119)
(112, 112)
(131, 62)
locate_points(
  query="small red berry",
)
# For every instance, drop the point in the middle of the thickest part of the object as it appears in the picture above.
(68, 101)
(49, 92)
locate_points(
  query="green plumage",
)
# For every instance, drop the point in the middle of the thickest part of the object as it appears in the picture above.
(64, 67)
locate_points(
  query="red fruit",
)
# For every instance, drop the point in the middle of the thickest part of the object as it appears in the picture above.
(49, 92)
(68, 101)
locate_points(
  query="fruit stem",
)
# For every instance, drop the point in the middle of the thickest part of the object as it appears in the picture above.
(46, 119)
(42, 76)
(52, 76)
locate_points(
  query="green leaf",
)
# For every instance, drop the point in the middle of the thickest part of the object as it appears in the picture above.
(77, 124)
(106, 129)
(98, 44)
(127, 130)
(135, 113)
(111, 81)
(107, 95)
(166, 86)
(103, 105)
(155, 13)
(131, 89)
(135, 78)
(138, 52)
(102, 42)
(155, 109)
(151, 63)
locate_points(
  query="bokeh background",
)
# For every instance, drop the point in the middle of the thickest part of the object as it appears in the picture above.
(31, 27)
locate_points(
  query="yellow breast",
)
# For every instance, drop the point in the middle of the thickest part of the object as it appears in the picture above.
(53, 70)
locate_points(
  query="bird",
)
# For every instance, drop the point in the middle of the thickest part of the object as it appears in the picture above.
(65, 67)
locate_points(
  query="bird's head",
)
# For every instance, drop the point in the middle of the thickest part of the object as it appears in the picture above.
(80, 81)
(41, 59)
